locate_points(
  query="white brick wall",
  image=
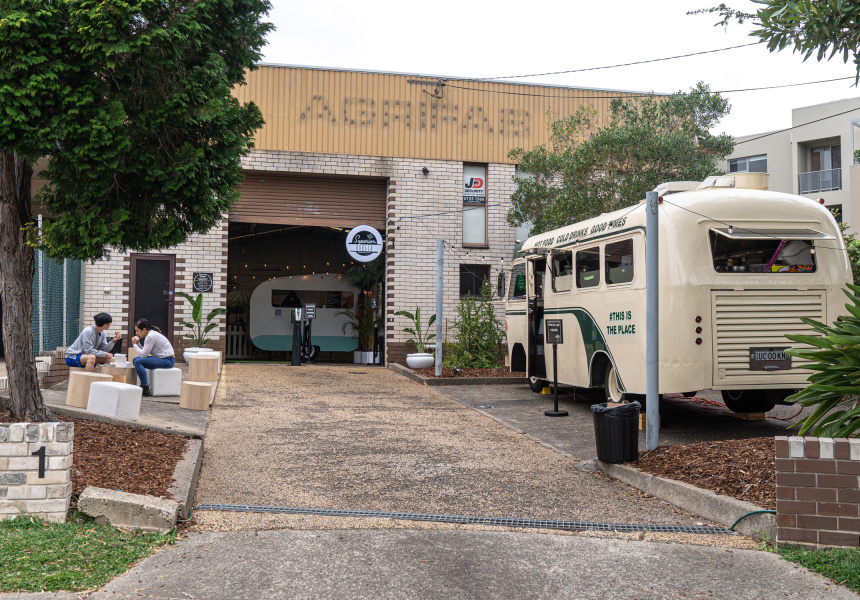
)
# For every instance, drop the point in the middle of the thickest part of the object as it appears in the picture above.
(200, 253)
(411, 273)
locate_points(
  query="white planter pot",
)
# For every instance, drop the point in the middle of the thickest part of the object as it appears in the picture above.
(364, 358)
(420, 361)
(188, 352)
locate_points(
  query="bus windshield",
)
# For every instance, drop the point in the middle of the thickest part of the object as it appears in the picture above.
(764, 254)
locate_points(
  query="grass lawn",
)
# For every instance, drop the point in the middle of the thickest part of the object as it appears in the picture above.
(841, 565)
(79, 555)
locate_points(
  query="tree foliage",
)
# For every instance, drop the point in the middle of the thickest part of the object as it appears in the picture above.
(589, 168)
(478, 335)
(823, 28)
(834, 389)
(131, 104)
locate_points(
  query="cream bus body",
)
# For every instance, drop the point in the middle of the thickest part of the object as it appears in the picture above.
(715, 309)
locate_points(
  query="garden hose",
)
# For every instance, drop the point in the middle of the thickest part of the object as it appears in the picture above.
(755, 512)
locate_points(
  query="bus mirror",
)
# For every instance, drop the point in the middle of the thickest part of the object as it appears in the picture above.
(500, 289)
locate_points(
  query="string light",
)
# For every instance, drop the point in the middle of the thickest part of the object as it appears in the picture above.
(731, 229)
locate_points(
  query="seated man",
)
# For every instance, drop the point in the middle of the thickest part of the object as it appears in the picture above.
(91, 347)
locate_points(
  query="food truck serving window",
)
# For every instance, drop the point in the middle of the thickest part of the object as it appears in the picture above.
(737, 250)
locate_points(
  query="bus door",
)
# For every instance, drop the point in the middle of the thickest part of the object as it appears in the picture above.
(536, 272)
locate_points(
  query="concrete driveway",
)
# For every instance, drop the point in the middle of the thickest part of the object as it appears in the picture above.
(682, 420)
(366, 438)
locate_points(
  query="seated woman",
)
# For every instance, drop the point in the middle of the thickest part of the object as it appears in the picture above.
(156, 352)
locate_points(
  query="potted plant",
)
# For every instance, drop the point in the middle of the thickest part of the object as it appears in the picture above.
(361, 320)
(420, 338)
(199, 329)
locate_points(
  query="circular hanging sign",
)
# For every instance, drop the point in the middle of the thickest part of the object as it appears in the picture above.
(364, 243)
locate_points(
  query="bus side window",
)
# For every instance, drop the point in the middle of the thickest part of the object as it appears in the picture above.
(618, 258)
(588, 268)
(562, 271)
(517, 286)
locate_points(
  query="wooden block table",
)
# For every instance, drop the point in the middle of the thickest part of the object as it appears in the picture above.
(121, 374)
(203, 368)
(132, 353)
(195, 395)
(79, 387)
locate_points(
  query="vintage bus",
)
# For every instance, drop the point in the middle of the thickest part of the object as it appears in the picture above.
(739, 267)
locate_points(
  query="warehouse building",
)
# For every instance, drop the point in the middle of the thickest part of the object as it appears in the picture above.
(417, 158)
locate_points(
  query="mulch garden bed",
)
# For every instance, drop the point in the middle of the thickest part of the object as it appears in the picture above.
(500, 372)
(129, 459)
(743, 469)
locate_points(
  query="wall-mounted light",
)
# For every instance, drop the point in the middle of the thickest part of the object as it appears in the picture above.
(425, 170)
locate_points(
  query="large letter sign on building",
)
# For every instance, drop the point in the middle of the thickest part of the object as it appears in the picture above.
(364, 243)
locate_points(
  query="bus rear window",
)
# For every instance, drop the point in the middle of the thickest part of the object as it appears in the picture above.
(761, 255)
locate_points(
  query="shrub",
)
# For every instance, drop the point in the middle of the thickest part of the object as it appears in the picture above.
(836, 384)
(479, 337)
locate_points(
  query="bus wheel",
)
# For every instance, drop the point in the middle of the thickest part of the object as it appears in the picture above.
(610, 384)
(748, 401)
(537, 384)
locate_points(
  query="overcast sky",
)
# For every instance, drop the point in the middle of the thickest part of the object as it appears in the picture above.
(478, 39)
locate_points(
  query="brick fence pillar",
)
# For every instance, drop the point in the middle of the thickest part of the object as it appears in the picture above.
(817, 495)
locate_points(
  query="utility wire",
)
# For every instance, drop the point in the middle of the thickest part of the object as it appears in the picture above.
(797, 126)
(640, 95)
(640, 62)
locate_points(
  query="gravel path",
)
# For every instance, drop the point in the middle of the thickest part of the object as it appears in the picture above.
(366, 438)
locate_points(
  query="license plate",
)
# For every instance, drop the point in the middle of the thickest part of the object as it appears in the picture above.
(769, 359)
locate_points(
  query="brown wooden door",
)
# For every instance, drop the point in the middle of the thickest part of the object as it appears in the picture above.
(151, 291)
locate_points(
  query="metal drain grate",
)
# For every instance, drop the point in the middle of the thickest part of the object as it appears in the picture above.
(463, 520)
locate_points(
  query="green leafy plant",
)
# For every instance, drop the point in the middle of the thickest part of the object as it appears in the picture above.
(198, 328)
(420, 337)
(852, 245)
(836, 384)
(479, 336)
(361, 320)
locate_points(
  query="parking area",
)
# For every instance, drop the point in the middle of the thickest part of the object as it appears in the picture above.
(683, 420)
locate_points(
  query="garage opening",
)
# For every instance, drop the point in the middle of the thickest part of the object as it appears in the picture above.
(287, 249)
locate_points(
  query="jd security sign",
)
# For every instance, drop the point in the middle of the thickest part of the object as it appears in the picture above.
(364, 243)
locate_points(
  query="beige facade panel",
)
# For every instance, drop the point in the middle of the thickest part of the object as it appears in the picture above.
(313, 200)
(392, 115)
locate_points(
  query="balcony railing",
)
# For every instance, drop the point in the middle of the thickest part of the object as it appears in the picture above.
(820, 181)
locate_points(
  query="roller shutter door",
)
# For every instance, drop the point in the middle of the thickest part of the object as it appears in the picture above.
(311, 200)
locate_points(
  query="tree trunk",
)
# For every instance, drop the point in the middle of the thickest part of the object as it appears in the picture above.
(17, 260)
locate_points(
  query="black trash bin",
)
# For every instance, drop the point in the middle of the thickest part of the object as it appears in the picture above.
(616, 432)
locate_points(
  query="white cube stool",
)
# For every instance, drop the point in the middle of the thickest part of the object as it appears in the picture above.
(164, 382)
(113, 399)
(212, 353)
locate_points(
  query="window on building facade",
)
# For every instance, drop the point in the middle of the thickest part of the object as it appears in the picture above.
(825, 172)
(749, 164)
(474, 205)
(472, 277)
(836, 209)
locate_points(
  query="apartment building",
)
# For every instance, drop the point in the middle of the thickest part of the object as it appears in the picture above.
(816, 157)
